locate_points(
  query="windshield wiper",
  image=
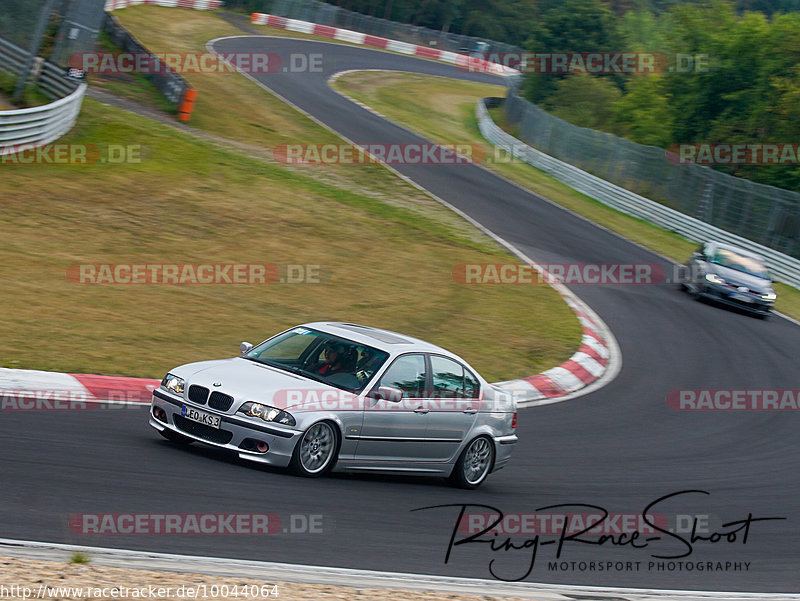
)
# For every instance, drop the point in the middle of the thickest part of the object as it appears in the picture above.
(291, 368)
(302, 372)
(272, 364)
(255, 360)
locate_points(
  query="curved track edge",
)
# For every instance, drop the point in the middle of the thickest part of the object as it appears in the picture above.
(352, 578)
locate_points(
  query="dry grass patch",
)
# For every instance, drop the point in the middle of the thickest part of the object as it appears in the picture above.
(193, 202)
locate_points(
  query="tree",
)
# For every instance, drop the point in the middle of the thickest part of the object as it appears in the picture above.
(584, 100)
(575, 26)
(644, 114)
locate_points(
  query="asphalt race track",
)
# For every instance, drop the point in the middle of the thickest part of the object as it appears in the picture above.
(619, 448)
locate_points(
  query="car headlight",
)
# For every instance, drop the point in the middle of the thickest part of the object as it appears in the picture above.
(173, 383)
(267, 413)
(771, 296)
(714, 278)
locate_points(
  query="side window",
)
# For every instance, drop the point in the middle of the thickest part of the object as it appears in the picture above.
(408, 374)
(448, 378)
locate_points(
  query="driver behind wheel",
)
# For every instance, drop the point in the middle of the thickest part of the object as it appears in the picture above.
(334, 353)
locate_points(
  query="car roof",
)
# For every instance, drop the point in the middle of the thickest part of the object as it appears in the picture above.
(386, 340)
(737, 249)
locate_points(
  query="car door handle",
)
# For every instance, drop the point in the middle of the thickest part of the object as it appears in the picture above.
(421, 410)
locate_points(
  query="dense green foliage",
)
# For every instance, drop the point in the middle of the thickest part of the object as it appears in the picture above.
(737, 79)
(509, 21)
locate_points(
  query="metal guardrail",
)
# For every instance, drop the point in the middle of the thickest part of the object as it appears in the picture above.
(765, 214)
(324, 13)
(40, 125)
(12, 57)
(783, 267)
(51, 80)
(195, 4)
(169, 83)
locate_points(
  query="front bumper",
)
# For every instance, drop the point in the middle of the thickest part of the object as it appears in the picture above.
(750, 302)
(235, 433)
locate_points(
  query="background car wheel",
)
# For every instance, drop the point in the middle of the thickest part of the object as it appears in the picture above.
(317, 450)
(474, 464)
(175, 437)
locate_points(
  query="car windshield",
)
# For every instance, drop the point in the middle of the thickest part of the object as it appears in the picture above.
(734, 260)
(336, 361)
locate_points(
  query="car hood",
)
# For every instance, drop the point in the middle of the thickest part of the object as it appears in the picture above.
(739, 278)
(246, 380)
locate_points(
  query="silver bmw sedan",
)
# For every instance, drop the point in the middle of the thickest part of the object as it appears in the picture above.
(325, 396)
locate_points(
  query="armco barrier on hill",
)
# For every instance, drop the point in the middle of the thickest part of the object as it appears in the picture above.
(783, 267)
(174, 87)
(40, 125)
(766, 215)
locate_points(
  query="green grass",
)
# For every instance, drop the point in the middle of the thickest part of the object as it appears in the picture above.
(444, 109)
(32, 95)
(194, 201)
(80, 558)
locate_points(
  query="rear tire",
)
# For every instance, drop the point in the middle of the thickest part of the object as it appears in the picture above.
(317, 451)
(175, 437)
(474, 464)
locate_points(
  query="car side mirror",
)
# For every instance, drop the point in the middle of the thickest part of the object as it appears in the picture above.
(245, 347)
(389, 393)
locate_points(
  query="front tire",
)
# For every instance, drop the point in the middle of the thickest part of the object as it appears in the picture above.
(317, 451)
(474, 464)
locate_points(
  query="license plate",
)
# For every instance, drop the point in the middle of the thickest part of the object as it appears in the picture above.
(741, 297)
(201, 417)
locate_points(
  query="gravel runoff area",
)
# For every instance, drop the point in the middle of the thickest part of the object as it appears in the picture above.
(32, 579)
(25, 578)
